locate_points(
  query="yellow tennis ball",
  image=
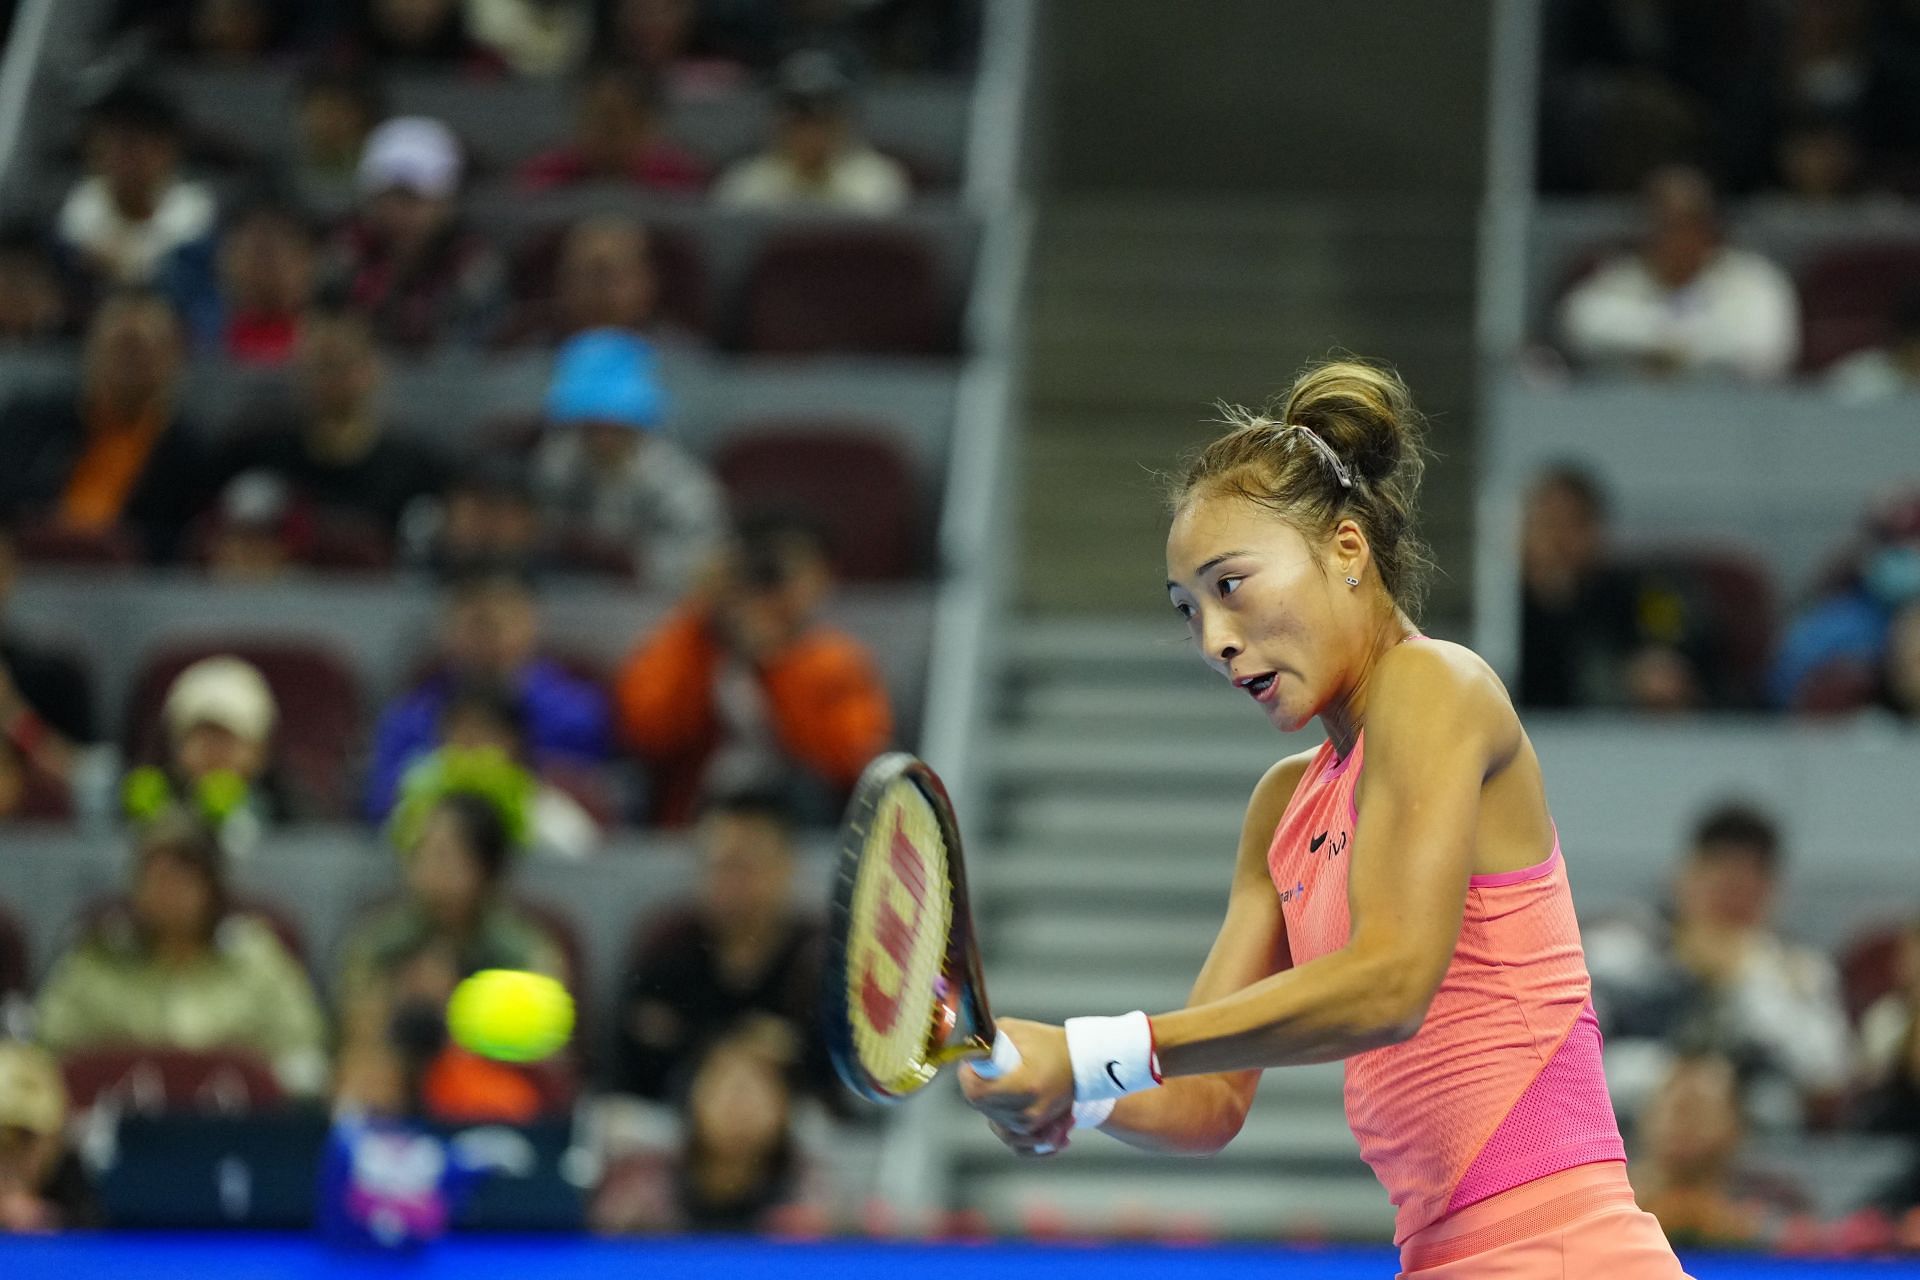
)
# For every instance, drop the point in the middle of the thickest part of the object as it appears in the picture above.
(510, 1015)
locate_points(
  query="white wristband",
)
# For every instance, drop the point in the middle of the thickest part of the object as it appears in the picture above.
(1111, 1057)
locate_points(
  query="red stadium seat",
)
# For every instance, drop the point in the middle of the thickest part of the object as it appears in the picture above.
(679, 279)
(320, 721)
(1870, 968)
(152, 1079)
(847, 478)
(1738, 595)
(1848, 298)
(50, 543)
(16, 968)
(1839, 687)
(844, 289)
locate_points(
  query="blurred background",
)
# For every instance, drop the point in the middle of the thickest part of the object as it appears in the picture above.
(479, 478)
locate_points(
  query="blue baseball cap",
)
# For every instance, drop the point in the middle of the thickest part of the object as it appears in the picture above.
(606, 375)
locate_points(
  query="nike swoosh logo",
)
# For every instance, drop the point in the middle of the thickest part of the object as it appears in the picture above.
(1113, 1075)
(1313, 845)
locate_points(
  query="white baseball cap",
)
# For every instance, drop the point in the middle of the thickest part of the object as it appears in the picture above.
(226, 691)
(415, 153)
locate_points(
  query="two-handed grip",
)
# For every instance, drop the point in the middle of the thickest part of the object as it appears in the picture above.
(1005, 1058)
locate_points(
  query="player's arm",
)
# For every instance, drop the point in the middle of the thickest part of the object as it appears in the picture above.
(1199, 1114)
(1438, 725)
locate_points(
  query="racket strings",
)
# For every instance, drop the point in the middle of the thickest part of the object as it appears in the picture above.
(901, 918)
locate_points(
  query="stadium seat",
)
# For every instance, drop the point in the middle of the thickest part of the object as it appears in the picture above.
(54, 544)
(679, 278)
(320, 721)
(1839, 687)
(845, 477)
(1870, 968)
(844, 289)
(1737, 593)
(152, 1079)
(16, 966)
(1848, 297)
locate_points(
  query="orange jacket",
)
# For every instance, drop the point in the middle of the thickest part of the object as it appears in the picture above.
(828, 706)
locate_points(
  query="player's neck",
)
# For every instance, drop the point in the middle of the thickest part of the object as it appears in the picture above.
(1346, 715)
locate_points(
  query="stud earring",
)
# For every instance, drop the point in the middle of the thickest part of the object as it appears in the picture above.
(1353, 582)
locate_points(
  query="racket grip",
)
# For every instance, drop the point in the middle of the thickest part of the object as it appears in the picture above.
(1006, 1057)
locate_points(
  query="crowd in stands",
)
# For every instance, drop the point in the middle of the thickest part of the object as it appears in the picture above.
(1814, 98)
(307, 276)
(1676, 632)
(1723, 1029)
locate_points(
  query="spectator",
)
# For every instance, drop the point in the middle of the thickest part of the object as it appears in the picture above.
(414, 35)
(46, 710)
(604, 472)
(483, 748)
(1595, 633)
(133, 211)
(1890, 1048)
(33, 302)
(1712, 971)
(741, 959)
(744, 682)
(267, 266)
(1687, 1172)
(1685, 303)
(818, 159)
(657, 38)
(454, 917)
(1819, 159)
(603, 279)
(739, 1167)
(230, 31)
(119, 454)
(43, 1186)
(406, 260)
(337, 452)
(219, 719)
(616, 139)
(486, 518)
(491, 632)
(1882, 373)
(179, 969)
(337, 108)
(1900, 669)
(254, 533)
(1848, 627)
(533, 37)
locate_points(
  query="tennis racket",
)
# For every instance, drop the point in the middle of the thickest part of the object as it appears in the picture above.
(904, 995)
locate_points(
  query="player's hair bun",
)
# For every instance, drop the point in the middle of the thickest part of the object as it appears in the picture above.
(1364, 412)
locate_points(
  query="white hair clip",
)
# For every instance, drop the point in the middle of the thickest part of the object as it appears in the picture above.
(1340, 472)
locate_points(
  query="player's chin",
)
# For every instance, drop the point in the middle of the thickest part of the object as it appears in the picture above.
(1288, 717)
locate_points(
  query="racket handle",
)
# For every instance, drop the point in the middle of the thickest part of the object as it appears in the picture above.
(1006, 1058)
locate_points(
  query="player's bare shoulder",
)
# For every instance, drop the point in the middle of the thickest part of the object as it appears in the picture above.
(1275, 789)
(1439, 677)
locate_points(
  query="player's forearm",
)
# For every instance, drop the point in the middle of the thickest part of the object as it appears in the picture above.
(1328, 1009)
(1191, 1116)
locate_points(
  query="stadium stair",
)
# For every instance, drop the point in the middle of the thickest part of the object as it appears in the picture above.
(1118, 773)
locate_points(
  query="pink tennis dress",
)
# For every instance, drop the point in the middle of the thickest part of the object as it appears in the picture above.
(1491, 1127)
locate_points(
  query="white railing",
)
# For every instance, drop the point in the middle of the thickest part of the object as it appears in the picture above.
(1500, 316)
(975, 540)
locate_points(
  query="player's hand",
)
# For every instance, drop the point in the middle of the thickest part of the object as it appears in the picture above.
(1036, 1100)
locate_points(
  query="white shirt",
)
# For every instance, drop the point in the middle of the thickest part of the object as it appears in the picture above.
(664, 502)
(133, 250)
(1740, 315)
(860, 180)
(1869, 376)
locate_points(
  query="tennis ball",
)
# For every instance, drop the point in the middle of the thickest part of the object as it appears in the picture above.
(510, 1015)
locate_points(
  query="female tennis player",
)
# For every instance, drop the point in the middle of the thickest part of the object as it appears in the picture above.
(1399, 900)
